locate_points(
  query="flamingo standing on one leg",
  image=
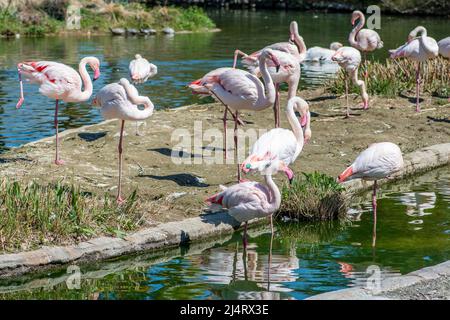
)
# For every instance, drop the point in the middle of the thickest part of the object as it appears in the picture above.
(140, 71)
(349, 58)
(60, 82)
(319, 54)
(378, 161)
(120, 101)
(290, 55)
(444, 49)
(365, 40)
(250, 199)
(418, 49)
(240, 90)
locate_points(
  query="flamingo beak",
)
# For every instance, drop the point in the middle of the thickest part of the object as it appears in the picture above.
(96, 74)
(276, 62)
(292, 38)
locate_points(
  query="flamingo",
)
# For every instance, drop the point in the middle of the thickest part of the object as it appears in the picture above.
(418, 49)
(349, 58)
(250, 199)
(239, 90)
(378, 161)
(60, 82)
(444, 47)
(290, 55)
(319, 54)
(284, 144)
(120, 101)
(140, 71)
(365, 40)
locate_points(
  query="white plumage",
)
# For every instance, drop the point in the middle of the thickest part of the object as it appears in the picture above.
(140, 69)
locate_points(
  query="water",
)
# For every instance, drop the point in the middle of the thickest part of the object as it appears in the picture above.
(180, 59)
(413, 232)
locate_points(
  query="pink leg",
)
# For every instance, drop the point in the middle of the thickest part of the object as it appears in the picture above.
(347, 115)
(225, 113)
(271, 223)
(58, 161)
(236, 154)
(418, 87)
(366, 73)
(275, 104)
(374, 207)
(244, 238)
(21, 99)
(119, 187)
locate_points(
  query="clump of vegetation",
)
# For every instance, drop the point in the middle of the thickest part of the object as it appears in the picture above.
(396, 76)
(32, 215)
(314, 197)
(13, 22)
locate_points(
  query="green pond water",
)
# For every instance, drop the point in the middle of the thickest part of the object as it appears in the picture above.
(413, 232)
(180, 59)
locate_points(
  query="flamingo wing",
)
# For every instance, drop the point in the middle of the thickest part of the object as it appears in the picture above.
(277, 142)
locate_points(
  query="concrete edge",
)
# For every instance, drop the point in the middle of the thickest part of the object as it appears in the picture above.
(175, 233)
(388, 285)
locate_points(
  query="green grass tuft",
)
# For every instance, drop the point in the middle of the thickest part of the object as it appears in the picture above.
(32, 215)
(314, 197)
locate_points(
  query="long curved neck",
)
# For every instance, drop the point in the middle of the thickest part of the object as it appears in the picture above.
(275, 195)
(423, 37)
(298, 40)
(361, 84)
(136, 99)
(87, 83)
(355, 30)
(269, 97)
(293, 121)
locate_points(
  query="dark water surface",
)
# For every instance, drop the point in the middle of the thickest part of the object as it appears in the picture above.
(306, 259)
(180, 59)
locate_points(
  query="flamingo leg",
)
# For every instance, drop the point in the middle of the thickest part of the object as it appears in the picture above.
(374, 207)
(236, 153)
(244, 238)
(418, 87)
(347, 115)
(21, 99)
(225, 113)
(276, 106)
(271, 223)
(366, 72)
(120, 149)
(58, 161)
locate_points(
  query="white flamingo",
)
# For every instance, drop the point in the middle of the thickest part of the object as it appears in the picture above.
(444, 47)
(418, 49)
(239, 90)
(250, 199)
(284, 144)
(349, 58)
(120, 101)
(378, 161)
(319, 54)
(60, 82)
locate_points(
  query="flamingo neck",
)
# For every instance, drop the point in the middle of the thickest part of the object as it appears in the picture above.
(87, 83)
(269, 96)
(356, 29)
(275, 195)
(296, 103)
(136, 99)
(298, 41)
(361, 84)
(422, 39)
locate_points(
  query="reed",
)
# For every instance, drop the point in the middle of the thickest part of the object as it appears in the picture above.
(32, 215)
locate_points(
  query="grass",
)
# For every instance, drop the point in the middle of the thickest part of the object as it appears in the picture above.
(100, 16)
(397, 76)
(32, 215)
(314, 197)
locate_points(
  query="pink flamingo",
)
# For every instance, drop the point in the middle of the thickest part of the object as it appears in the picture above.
(140, 71)
(418, 49)
(290, 55)
(60, 82)
(378, 161)
(349, 58)
(284, 144)
(239, 90)
(319, 54)
(444, 47)
(365, 40)
(250, 199)
(120, 101)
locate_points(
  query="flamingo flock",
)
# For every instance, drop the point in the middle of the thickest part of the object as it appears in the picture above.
(240, 90)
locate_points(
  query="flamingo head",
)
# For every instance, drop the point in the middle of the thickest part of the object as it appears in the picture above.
(94, 63)
(275, 60)
(356, 15)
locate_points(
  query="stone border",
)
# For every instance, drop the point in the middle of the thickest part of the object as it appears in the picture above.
(388, 285)
(189, 230)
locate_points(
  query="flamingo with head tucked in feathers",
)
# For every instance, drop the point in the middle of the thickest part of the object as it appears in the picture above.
(444, 47)
(250, 199)
(378, 161)
(418, 49)
(239, 90)
(319, 54)
(349, 58)
(60, 82)
(120, 101)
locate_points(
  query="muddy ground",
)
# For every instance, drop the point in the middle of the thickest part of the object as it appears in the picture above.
(171, 191)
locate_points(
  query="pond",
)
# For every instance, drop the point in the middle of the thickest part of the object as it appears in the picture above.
(180, 59)
(413, 232)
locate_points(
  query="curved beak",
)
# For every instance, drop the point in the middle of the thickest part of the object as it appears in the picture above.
(276, 62)
(96, 74)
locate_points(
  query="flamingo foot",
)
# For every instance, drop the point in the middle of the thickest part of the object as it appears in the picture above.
(119, 200)
(365, 105)
(59, 162)
(19, 103)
